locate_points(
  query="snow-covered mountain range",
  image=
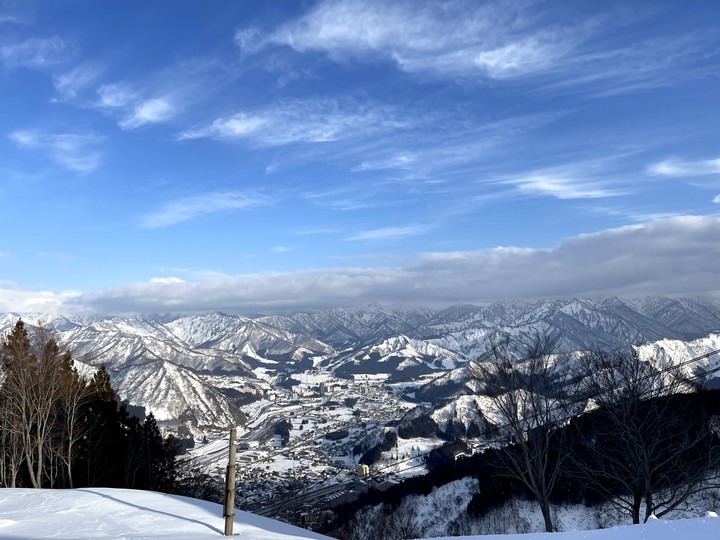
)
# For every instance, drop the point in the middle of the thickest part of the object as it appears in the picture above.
(166, 363)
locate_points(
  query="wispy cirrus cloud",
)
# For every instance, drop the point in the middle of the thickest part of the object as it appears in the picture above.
(282, 249)
(560, 186)
(637, 66)
(316, 231)
(389, 233)
(17, 13)
(58, 255)
(38, 53)
(401, 160)
(451, 143)
(115, 95)
(355, 197)
(132, 109)
(188, 208)
(498, 40)
(150, 111)
(7, 17)
(635, 214)
(681, 168)
(69, 83)
(301, 121)
(582, 180)
(164, 95)
(77, 152)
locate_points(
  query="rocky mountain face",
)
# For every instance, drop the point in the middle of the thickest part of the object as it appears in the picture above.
(167, 362)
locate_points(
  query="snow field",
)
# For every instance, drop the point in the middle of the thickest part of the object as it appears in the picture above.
(121, 514)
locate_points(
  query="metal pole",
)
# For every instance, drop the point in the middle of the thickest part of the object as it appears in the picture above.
(229, 506)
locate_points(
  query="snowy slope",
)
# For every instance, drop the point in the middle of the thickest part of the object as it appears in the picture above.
(576, 324)
(126, 514)
(468, 410)
(172, 394)
(677, 352)
(117, 342)
(253, 338)
(198, 329)
(689, 316)
(149, 367)
(345, 329)
(7, 321)
(397, 355)
(695, 529)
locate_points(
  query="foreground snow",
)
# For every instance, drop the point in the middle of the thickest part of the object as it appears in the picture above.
(124, 514)
(128, 514)
(686, 529)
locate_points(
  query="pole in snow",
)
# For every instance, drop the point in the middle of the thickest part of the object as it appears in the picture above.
(229, 506)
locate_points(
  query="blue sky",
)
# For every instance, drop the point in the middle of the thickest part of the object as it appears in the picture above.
(244, 155)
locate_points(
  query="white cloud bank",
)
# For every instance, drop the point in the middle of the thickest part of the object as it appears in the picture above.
(669, 256)
(16, 299)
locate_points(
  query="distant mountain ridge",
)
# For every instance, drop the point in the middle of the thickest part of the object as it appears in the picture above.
(163, 361)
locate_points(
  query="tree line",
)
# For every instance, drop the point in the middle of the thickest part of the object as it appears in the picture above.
(59, 429)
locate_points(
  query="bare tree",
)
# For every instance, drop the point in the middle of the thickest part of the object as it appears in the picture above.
(401, 524)
(40, 413)
(648, 442)
(383, 521)
(74, 394)
(529, 399)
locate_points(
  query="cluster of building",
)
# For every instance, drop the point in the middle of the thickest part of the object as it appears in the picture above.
(277, 467)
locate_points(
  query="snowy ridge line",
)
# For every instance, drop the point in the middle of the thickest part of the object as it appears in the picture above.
(579, 400)
(649, 395)
(665, 370)
(692, 360)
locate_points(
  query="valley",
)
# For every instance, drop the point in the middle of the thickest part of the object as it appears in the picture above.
(314, 394)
